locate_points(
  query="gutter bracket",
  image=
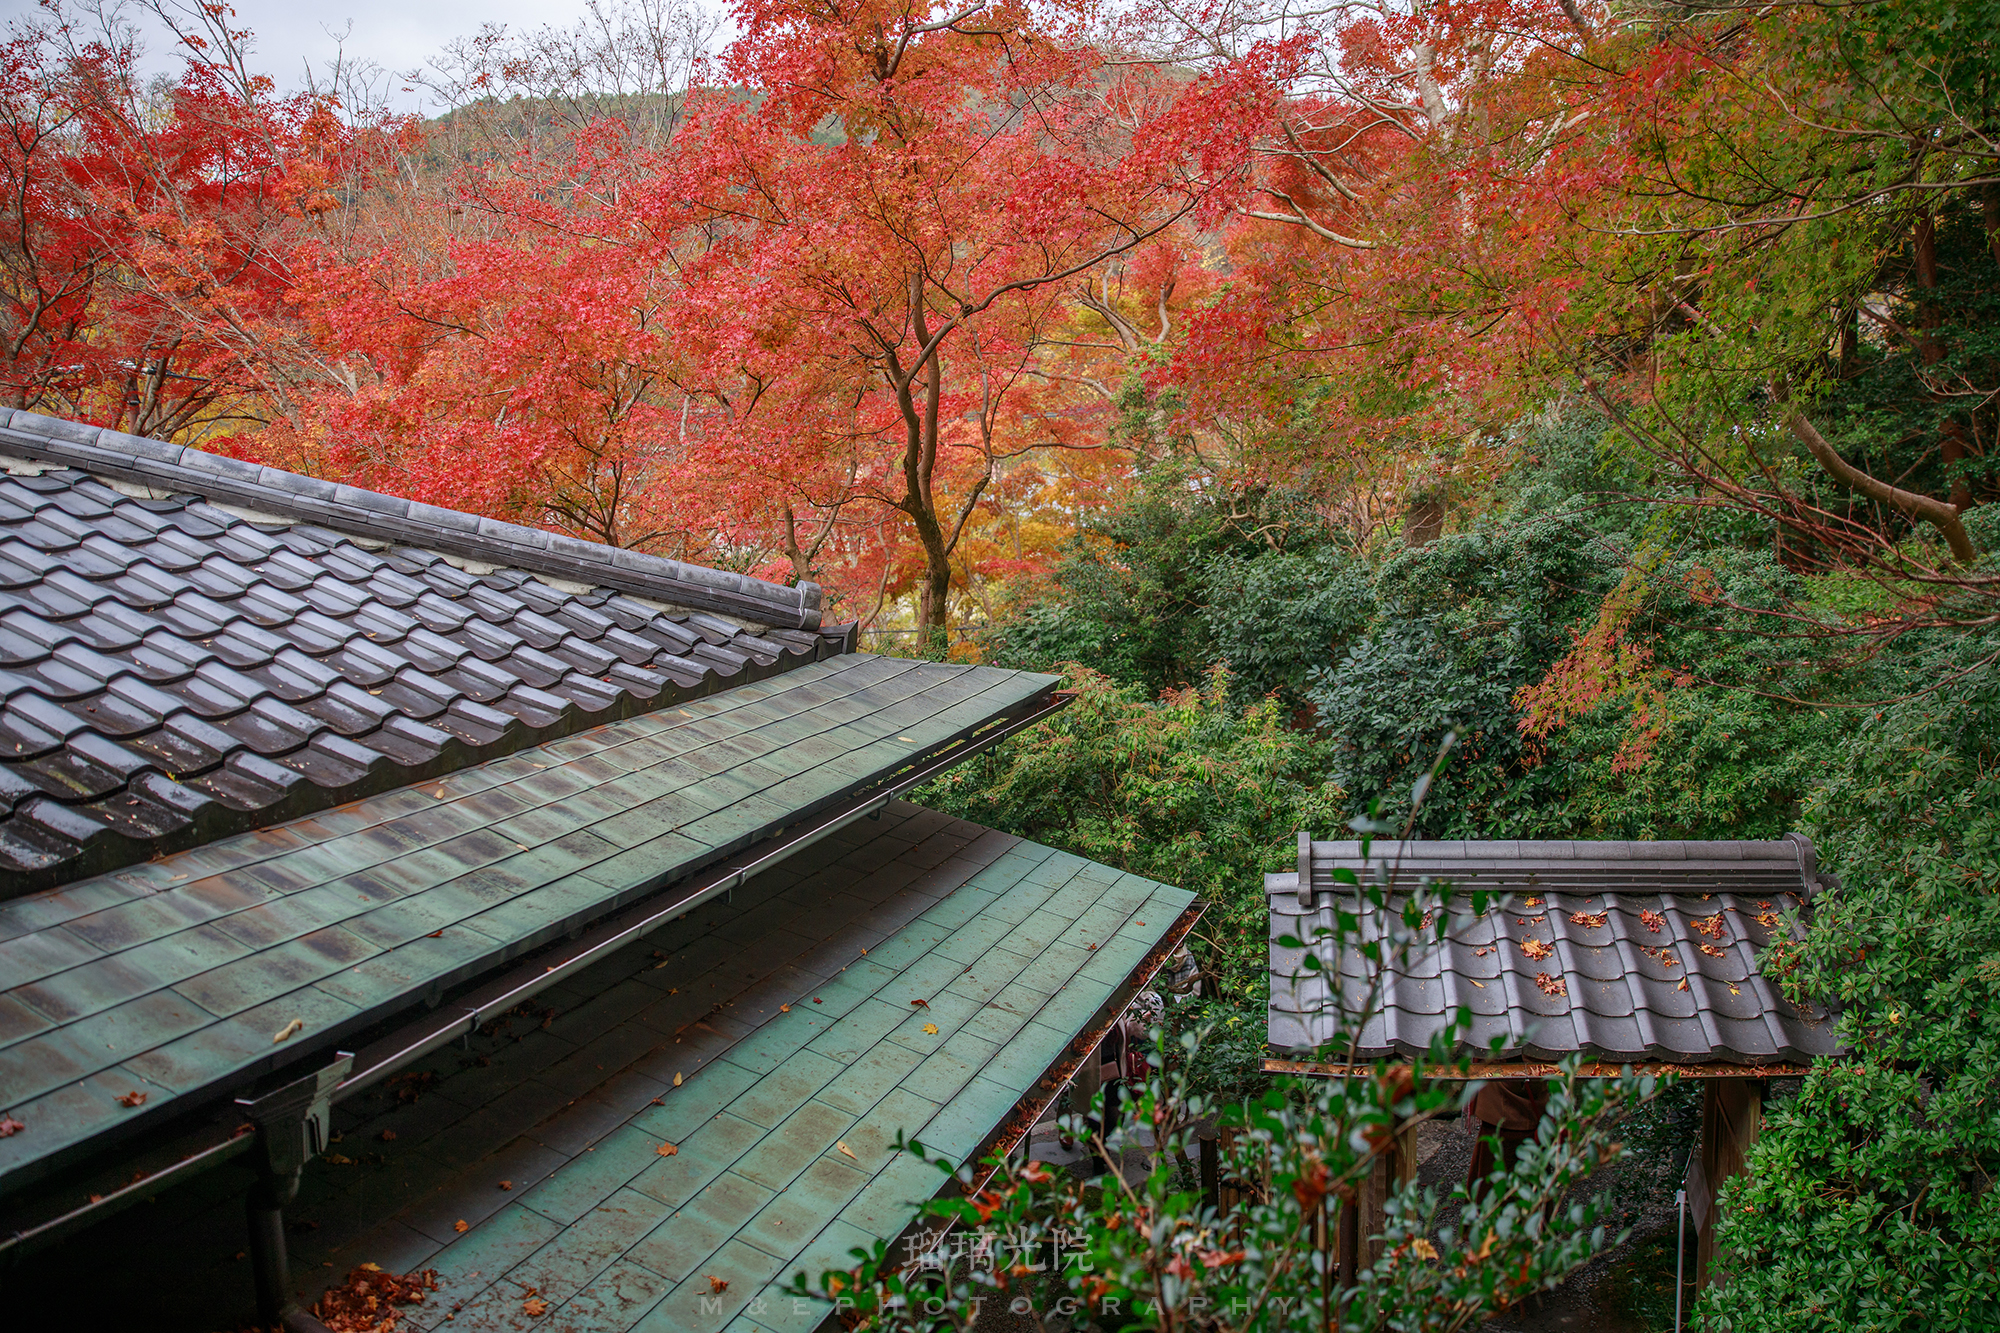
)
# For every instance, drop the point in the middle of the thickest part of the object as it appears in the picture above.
(294, 1125)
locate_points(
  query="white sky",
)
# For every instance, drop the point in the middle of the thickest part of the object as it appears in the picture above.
(397, 35)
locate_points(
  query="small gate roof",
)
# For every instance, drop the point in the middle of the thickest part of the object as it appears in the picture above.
(1621, 951)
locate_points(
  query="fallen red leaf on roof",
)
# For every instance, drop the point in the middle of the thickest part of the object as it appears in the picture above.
(1588, 920)
(134, 1098)
(1551, 985)
(1652, 921)
(1537, 949)
(9, 1127)
(717, 1285)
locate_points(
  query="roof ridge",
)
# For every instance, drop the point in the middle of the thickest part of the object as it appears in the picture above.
(215, 477)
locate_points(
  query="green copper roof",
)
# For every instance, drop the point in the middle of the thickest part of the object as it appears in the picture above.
(189, 976)
(783, 1133)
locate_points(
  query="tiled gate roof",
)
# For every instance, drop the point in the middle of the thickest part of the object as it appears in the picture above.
(1623, 951)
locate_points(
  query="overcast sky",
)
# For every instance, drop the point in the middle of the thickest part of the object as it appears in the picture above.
(395, 34)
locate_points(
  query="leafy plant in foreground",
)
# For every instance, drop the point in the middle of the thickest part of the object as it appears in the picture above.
(1062, 1253)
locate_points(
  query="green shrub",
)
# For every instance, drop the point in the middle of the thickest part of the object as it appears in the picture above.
(1869, 1200)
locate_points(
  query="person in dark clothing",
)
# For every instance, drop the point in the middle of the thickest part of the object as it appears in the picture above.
(1507, 1112)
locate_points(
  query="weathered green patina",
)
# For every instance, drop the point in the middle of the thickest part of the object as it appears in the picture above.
(782, 1134)
(125, 996)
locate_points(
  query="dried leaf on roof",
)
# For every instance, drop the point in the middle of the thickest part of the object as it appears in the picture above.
(1714, 952)
(367, 1301)
(1652, 920)
(1710, 926)
(133, 1098)
(9, 1127)
(1665, 957)
(1588, 920)
(1537, 949)
(1549, 985)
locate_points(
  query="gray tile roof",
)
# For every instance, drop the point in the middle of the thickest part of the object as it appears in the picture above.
(1624, 951)
(192, 646)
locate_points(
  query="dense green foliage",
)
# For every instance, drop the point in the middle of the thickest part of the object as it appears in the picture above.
(1870, 1200)
(1330, 674)
(1379, 654)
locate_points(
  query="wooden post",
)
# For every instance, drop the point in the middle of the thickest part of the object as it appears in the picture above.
(1211, 1171)
(1362, 1222)
(1731, 1111)
(1383, 1174)
(1348, 1257)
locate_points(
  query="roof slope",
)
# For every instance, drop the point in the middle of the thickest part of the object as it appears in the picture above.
(181, 979)
(1625, 951)
(919, 974)
(790, 1045)
(173, 670)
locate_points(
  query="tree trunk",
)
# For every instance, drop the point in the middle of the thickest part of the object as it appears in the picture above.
(1930, 350)
(920, 448)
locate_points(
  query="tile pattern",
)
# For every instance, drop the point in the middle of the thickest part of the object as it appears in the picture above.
(788, 1016)
(159, 466)
(171, 979)
(1623, 951)
(172, 672)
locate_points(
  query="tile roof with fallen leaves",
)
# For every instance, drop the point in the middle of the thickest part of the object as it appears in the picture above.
(1622, 951)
